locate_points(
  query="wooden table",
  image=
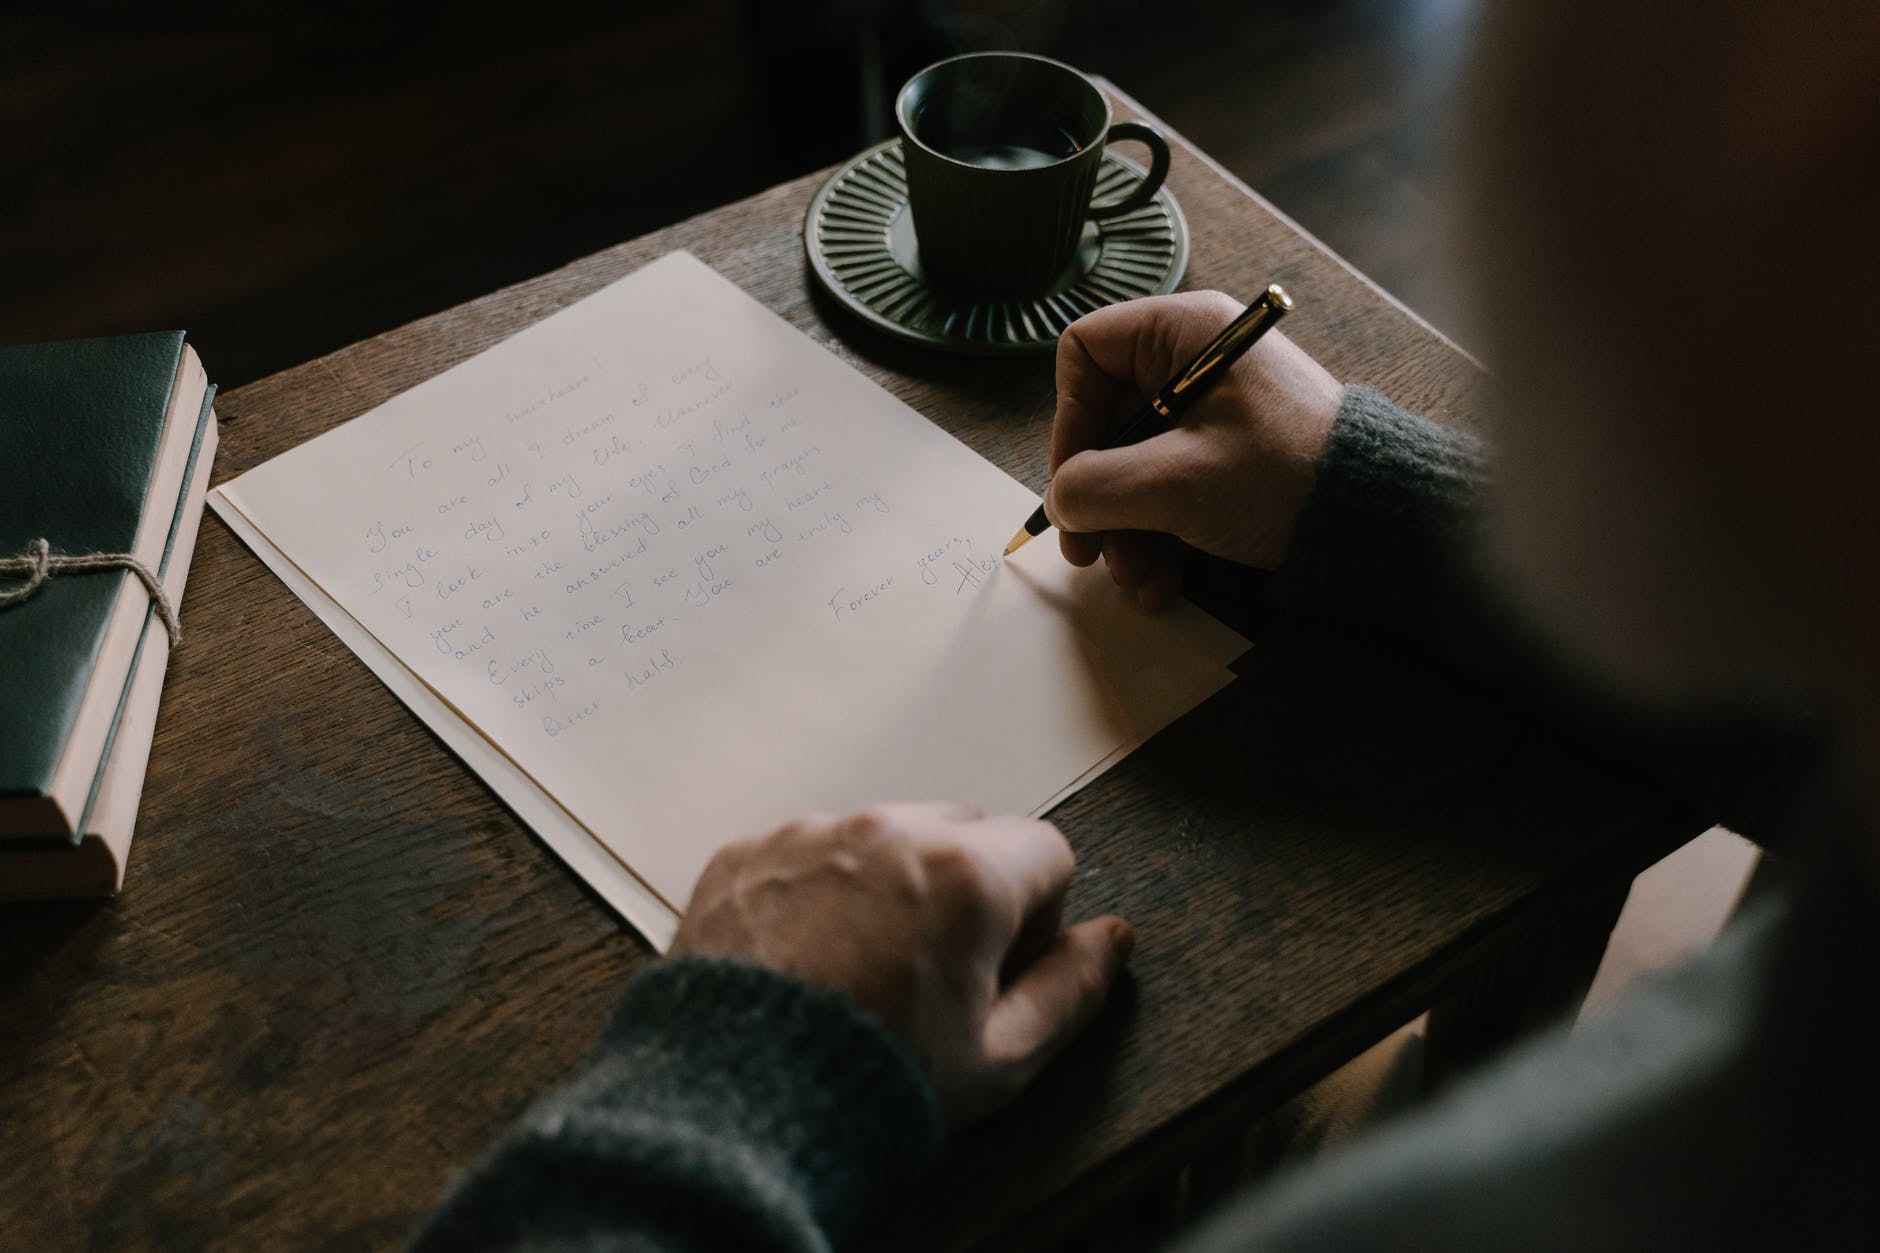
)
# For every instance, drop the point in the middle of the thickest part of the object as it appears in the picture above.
(341, 967)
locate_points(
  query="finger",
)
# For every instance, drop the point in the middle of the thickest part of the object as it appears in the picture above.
(1163, 586)
(1088, 398)
(1139, 344)
(1130, 556)
(1080, 548)
(1144, 487)
(1110, 360)
(1056, 996)
(1035, 935)
(924, 813)
(1030, 860)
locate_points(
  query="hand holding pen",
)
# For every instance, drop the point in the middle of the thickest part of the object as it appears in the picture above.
(1227, 477)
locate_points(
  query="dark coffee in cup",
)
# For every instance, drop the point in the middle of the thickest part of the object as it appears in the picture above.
(1006, 156)
(1002, 151)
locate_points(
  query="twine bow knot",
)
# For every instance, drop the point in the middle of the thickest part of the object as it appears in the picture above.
(39, 563)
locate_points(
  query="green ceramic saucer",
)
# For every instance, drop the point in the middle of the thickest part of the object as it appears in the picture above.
(860, 239)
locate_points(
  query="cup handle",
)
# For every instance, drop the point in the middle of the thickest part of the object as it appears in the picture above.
(1152, 181)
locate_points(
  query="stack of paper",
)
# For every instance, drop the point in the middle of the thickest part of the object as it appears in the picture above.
(666, 573)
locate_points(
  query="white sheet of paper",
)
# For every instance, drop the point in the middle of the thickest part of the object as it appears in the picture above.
(665, 573)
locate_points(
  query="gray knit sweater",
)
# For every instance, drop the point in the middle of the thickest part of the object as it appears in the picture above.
(1732, 1105)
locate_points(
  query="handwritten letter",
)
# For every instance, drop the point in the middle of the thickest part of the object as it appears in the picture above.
(689, 575)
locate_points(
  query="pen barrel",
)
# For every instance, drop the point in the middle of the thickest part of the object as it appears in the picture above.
(1198, 376)
(1228, 347)
(1208, 366)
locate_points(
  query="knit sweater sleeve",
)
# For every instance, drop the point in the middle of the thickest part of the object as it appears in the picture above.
(726, 1107)
(1388, 540)
(1386, 533)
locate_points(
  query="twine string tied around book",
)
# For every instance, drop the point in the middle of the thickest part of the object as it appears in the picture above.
(39, 563)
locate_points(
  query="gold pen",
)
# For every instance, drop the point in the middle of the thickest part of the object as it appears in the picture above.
(1208, 367)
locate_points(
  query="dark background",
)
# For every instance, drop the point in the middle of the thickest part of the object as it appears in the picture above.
(282, 177)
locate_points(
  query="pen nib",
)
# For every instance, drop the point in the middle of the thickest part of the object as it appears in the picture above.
(1018, 541)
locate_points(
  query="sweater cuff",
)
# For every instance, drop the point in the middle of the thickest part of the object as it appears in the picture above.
(727, 1104)
(795, 1071)
(1388, 529)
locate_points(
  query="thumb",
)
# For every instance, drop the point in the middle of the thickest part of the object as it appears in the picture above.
(1056, 997)
(1142, 487)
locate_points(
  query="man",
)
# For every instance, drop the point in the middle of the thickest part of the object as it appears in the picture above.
(1677, 254)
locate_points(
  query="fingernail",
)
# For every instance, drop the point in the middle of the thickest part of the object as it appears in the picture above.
(1124, 937)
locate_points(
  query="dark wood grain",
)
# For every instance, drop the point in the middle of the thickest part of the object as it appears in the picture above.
(340, 966)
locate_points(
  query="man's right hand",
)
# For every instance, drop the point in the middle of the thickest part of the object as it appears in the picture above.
(1228, 480)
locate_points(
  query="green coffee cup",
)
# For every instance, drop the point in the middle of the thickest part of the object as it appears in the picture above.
(1002, 151)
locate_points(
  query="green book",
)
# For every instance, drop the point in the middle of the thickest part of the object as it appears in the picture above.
(96, 441)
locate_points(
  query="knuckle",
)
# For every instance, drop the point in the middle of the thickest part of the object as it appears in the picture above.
(873, 823)
(1064, 498)
(794, 831)
(806, 833)
(1049, 834)
(955, 873)
(1098, 319)
(733, 855)
(1214, 303)
(1071, 349)
(1193, 319)
(711, 880)
(875, 836)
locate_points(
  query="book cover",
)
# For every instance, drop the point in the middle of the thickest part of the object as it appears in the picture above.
(82, 430)
(95, 864)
